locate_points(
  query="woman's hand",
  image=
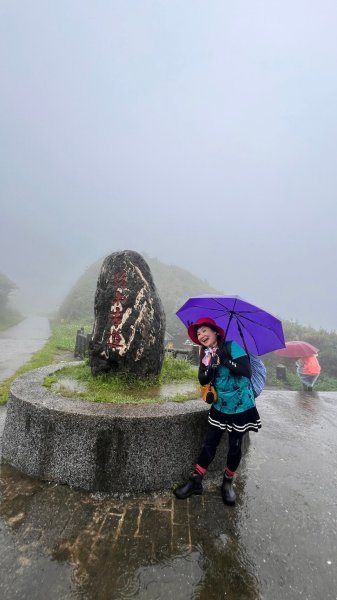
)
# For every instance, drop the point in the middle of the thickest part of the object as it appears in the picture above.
(215, 361)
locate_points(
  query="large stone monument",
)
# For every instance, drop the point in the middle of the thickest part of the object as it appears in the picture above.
(129, 328)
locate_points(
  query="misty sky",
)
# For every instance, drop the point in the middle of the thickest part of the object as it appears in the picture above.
(203, 133)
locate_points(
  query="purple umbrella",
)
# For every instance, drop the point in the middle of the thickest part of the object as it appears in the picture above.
(255, 329)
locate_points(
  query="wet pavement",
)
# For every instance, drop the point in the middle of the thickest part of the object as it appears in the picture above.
(279, 542)
(18, 343)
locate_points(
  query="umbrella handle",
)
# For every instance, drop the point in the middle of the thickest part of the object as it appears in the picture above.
(241, 336)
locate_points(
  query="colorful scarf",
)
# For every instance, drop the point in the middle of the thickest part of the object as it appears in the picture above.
(209, 353)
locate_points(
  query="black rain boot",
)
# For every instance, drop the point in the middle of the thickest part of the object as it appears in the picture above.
(228, 494)
(192, 487)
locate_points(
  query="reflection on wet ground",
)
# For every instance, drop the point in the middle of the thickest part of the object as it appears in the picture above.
(278, 542)
(118, 548)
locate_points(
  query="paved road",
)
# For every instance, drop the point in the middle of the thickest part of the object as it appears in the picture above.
(278, 543)
(18, 343)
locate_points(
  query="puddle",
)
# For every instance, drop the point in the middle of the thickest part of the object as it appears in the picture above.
(71, 385)
(170, 390)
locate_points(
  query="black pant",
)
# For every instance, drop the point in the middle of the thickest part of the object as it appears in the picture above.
(212, 439)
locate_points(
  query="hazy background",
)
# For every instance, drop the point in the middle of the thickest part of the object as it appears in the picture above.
(203, 133)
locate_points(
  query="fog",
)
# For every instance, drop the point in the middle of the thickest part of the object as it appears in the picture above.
(202, 133)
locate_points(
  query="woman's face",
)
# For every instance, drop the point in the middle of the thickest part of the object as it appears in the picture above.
(206, 336)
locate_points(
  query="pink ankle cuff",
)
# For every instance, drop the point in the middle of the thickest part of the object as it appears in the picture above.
(229, 472)
(200, 469)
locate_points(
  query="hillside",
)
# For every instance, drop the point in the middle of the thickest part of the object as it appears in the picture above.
(174, 286)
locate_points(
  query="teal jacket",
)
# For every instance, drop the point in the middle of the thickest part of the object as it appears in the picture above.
(235, 393)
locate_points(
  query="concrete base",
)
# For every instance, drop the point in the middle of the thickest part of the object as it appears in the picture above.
(102, 447)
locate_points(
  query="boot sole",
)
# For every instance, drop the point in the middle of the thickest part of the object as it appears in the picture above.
(228, 502)
(188, 495)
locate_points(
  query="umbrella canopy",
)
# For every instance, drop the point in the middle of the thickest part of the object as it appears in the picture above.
(255, 329)
(297, 349)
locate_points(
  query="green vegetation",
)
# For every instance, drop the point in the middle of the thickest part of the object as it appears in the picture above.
(10, 320)
(327, 344)
(8, 315)
(325, 383)
(126, 389)
(175, 369)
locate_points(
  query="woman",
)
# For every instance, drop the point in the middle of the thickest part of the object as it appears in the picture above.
(308, 370)
(228, 366)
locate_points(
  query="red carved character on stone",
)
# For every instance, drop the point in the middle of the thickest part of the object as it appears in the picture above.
(116, 316)
(120, 297)
(114, 339)
(119, 279)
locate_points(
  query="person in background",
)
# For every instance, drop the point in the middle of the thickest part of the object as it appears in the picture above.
(227, 365)
(308, 370)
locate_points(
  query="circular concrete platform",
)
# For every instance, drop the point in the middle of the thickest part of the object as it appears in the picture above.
(102, 447)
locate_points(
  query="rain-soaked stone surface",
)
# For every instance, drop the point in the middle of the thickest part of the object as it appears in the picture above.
(277, 543)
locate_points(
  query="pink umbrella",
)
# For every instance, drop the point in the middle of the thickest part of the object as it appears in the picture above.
(297, 349)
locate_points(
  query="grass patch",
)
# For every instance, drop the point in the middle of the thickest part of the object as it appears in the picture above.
(176, 369)
(127, 389)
